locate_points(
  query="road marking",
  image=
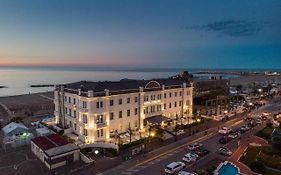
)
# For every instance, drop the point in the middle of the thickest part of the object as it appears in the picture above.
(167, 152)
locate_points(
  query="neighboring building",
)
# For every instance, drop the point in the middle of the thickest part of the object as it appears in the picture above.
(54, 151)
(97, 111)
(16, 135)
(13, 129)
(213, 97)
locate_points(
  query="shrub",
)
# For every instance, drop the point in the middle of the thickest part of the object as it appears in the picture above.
(258, 167)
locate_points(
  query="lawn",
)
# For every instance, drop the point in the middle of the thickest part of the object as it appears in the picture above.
(265, 133)
(261, 156)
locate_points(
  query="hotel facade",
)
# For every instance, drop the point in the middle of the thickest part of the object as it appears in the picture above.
(97, 111)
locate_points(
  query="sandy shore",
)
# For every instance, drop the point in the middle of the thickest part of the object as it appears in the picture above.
(250, 79)
(26, 105)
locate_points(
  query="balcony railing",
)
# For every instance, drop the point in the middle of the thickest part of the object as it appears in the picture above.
(101, 125)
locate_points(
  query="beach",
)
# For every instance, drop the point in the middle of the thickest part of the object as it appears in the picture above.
(25, 106)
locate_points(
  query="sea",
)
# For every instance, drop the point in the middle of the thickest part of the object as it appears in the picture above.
(17, 80)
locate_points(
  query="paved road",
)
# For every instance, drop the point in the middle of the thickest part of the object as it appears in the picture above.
(156, 163)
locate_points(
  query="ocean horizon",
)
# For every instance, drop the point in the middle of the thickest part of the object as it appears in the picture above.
(18, 80)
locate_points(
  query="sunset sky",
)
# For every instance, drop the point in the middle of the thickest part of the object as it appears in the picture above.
(141, 33)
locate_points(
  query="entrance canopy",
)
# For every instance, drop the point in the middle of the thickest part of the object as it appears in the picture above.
(156, 119)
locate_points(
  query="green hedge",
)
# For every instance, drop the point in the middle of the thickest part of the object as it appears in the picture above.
(269, 161)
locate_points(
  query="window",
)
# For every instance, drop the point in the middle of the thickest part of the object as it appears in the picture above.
(120, 114)
(98, 104)
(158, 107)
(65, 110)
(101, 132)
(128, 100)
(170, 94)
(74, 114)
(136, 123)
(128, 113)
(180, 93)
(165, 106)
(111, 102)
(176, 94)
(187, 102)
(170, 105)
(99, 119)
(180, 103)
(65, 98)
(111, 116)
(70, 112)
(85, 132)
(101, 104)
(85, 118)
(75, 126)
(159, 96)
(69, 99)
(152, 97)
(136, 111)
(145, 98)
(84, 104)
(165, 95)
(98, 133)
(74, 100)
(120, 101)
(175, 104)
(136, 99)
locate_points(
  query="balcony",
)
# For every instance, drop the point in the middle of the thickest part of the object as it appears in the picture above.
(80, 109)
(101, 125)
(147, 103)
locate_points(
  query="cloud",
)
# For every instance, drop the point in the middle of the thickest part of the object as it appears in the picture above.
(233, 28)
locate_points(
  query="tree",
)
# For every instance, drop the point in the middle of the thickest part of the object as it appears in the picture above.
(239, 87)
(277, 145)
(16, 120)
(257, 167)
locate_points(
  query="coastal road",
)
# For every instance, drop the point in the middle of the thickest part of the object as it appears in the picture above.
(157, 163)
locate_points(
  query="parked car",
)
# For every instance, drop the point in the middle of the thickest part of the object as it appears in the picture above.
(224, 151)
(224, 140)
(258, 121)
(190, 157)
(202, 152)
(179, 132)
(186, 173)
(194, 146)
(263, 118)
(245, 128)
(225, 130)
(174, 167)
(233, 135)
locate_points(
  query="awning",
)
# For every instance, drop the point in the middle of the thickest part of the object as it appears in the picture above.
(156, 119)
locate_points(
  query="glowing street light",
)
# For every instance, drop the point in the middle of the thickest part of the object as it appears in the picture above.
(96, 151)
(152, 134)
(198, 120)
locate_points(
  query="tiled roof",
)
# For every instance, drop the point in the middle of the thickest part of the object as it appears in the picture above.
(50, 141)
(126, 84)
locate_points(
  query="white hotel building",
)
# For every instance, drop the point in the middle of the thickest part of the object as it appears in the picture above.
(97, 110)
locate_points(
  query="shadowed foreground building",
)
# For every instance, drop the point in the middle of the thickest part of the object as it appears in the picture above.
(96, 111)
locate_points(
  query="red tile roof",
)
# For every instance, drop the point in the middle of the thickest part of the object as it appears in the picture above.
(50, 141)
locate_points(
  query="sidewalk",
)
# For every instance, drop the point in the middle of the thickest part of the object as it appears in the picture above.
(142, 159)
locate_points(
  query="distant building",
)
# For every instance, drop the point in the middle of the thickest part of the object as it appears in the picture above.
(96, 111)
(54, 151)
